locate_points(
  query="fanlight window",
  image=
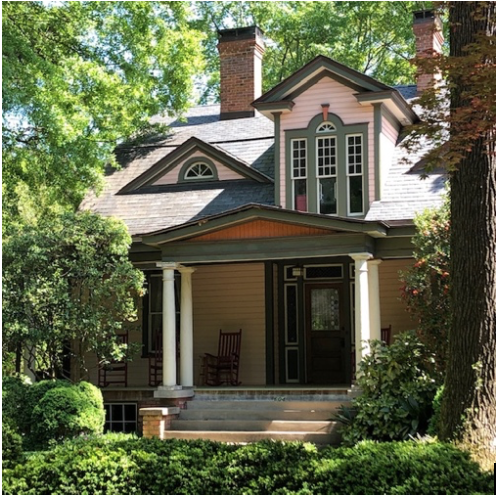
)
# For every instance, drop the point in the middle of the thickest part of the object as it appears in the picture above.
(326, 127)
(199, 170)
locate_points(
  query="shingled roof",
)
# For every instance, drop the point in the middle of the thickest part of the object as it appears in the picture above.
(251, 140)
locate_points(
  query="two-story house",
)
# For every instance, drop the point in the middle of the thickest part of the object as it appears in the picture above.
(287, 215)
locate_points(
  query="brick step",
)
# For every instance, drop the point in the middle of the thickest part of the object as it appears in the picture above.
(286, 406)
(254, 436)
(325, 427)
(248, 414)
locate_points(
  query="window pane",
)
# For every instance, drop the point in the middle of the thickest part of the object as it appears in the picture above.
(355, 158)
(155, 293)
(326, 157)
(130, 412)
(116, 412)
(328, 203)
(300, 195)
(299, 165)
(155, 330)
(356, 194)
(291, 315)
(325, 309)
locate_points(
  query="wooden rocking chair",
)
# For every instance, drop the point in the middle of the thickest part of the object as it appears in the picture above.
(223, 368)
(155, 361)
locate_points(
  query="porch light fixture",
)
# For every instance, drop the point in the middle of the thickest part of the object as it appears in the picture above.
(297, 271)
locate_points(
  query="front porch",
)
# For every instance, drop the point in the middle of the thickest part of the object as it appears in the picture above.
(304, 289)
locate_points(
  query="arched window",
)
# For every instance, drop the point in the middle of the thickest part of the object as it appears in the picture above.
(199, 170)
(326, 127)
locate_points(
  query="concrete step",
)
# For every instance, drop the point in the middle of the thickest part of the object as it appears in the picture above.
(254, 436)
(253, 425)
(261, 414)
(286, 406)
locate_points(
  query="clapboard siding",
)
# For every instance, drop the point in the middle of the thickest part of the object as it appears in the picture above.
(231, 297)
(393, 309)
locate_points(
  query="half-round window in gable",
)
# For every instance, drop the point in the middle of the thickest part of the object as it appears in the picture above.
(199, 170)
(326, 127)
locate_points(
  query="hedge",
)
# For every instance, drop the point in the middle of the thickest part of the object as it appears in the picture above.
(116, 464)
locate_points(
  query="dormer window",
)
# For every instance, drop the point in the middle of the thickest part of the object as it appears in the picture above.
(327, 167)
(199, 170)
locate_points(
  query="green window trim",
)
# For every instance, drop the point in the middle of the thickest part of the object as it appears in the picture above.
(182, 178)
(312, 133)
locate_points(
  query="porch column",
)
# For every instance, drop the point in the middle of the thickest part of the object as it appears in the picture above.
(375, 302)
(169, 379)
(362, 305)
(186, 341)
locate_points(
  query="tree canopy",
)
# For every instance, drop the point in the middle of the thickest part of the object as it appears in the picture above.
(79, 77)
(372, 37)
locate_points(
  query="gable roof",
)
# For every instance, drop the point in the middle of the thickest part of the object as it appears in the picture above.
(190, 146)
(369, 90)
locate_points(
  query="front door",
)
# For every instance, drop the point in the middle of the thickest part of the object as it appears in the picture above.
(325, 334)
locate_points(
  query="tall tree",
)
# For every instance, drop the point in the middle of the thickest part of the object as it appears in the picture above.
(469, 408)
(68, 283)
(78, 77)
(372, 37)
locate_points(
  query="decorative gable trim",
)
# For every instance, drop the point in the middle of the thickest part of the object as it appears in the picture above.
(261, 229)
(181, 153)
(313, 68)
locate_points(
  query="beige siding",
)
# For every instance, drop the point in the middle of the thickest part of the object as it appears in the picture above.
(231, 297)
(172, 177)
(393, 309)
(227, 297)
(342, 103)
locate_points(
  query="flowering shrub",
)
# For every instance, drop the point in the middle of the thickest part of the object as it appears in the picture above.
(426, 289)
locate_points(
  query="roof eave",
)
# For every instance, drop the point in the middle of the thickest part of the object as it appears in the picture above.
(393, 101)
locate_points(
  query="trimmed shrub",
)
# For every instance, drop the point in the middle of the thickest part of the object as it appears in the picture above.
(67, 411)
(122, 465)
(397, 392)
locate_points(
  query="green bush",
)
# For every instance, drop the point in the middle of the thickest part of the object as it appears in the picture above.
(14, 394)
(51, 409)
(113, 464)
(433, 429)
(11, 445)
(397, 390)
(67, 411)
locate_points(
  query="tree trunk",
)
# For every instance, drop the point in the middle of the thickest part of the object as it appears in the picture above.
(469, 409)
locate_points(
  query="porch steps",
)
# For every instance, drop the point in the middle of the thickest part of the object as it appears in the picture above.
(245, 421)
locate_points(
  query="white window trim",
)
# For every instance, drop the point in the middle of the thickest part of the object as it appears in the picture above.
(348, 175)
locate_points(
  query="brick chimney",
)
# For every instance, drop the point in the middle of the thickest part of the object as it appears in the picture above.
(428, 31)
(241, 51)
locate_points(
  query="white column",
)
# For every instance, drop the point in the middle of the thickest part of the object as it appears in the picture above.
(375, 302)
(186, 341)
(168, 325)
(362, 308)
